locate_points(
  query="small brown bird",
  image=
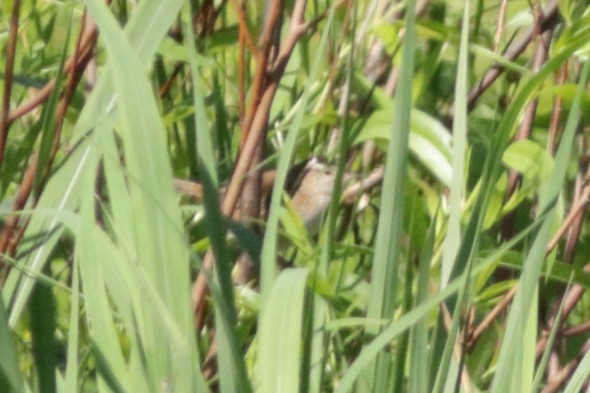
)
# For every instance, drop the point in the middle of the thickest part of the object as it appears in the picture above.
(312, 192)
(310, 185)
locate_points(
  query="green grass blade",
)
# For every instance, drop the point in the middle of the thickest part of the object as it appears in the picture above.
(108, 381)
(508, 374)
(279, 346)
(388, 334)
(204, 146)
(318, 343)
(500, 142)
(61, 193)
(10, 375)
(317, 355)
(405, 322)
(577, 381)
(540, 373)
(390, 227)
(268, 268)
(232, 370)
(453, 234)
(148, 24)
(71, 374)
(89, 254)
(43, 323)
(529, 346)
(157, 224)
(48, 119)
(418, 353)
(449, 367)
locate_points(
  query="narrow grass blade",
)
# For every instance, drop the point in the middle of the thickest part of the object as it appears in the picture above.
(405, 322)
(280, 343)
(62, 193)
(580, 377)
(317, 356)
(232, 370)
(48, 119)
(540, 372)
(71, 374)
(390, 227)
(145, 29)
(10, 375)
(204, 146)
(418, 353)
(318, 342)
(88, 255)
(453, 235)
(156, 220)
(388, 334)
(268, 268)
(43, 323)
(108, 379)
(448, 369)
(529, 344)
(508, 375)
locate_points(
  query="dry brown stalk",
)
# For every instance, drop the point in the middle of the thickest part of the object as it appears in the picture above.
(87, 47)
(256, 132)
(549, 16)
(12, 232)
(500, 25)
(8, 77)
(561, 376)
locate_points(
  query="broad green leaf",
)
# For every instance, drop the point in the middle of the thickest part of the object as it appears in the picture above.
(530, 159)
(430, 140)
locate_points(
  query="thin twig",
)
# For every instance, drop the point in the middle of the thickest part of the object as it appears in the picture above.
(556, 112)
(507, 299)
(244, 28)
(260, 79)
(10, 236)
(556, 383)
(574, 213)
(255, 136)
(8, 77)
(491, 317)
(512, 52)
(242, 71)
(345, 96)
(8, 233)
(576, 330)
(374, 178)
(524, 130)
(86, 52)
(500, 25)
(458, 350)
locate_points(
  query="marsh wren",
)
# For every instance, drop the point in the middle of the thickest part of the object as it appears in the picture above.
(310, 185)
(311, 191)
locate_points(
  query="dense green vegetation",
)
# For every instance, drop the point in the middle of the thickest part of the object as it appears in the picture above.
(139, 252)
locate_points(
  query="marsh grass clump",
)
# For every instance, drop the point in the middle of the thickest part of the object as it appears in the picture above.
(293, 196)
